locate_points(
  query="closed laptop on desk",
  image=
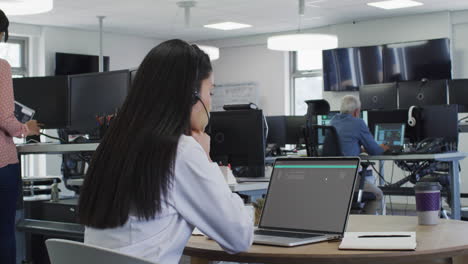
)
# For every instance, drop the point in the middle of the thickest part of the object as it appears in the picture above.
(308, 201)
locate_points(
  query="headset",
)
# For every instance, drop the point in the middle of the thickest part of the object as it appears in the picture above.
(196, 95)
(411, 119)
(196, 98)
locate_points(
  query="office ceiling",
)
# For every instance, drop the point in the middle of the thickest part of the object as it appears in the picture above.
(162, 19)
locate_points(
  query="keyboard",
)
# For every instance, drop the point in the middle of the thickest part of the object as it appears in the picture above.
(284, 234)
(394, 150)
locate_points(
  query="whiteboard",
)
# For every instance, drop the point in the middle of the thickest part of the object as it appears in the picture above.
(234, 93)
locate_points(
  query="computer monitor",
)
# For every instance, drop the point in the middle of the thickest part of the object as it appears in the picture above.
(364, 116)
(458, 94)
(294, 126)
(237, 138)
(379, 96)
(68, 64)
(324, 120)
(284, 130)
(399, 116)
(48, 96)
(440, 121)
(422, 93)
(133, 73)
(392, 134)
(276, 130)
(96, 94)
(415, 60)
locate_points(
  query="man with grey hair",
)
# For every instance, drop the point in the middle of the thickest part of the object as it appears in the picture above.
(355, 137)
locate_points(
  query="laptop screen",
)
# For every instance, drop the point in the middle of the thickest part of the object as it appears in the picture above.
(312, 195)
(390, 134)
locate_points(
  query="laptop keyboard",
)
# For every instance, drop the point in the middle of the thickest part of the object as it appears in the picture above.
(284, 234)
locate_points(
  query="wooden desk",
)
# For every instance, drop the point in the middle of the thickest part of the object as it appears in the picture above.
(436, 244)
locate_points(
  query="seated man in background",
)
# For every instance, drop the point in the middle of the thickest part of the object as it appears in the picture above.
(354, 135)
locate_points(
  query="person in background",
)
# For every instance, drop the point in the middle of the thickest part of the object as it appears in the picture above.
(355, 138)
(10, 178)
(151, 180)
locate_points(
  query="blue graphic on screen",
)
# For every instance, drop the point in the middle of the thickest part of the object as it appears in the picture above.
(390, 134)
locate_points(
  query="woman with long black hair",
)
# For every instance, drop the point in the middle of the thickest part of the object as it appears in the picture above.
(151, 181)
(10, 179)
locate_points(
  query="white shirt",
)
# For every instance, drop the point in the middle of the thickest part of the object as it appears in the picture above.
(200, 198)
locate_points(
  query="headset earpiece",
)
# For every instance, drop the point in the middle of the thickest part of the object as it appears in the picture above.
(411, 119)
(195, 98)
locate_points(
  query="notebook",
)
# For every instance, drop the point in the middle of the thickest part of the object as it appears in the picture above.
(379, 241)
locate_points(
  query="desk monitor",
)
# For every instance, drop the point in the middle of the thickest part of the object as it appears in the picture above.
(96, 94)
(440, 121)
(364, 117)
(133, 73)
(399, 116)
(48, 96)
(392, 134)
(237, 138)
(379, 96)
(294, 126)
(284, 130)
(276, 130)
(68, 64)
(324, 120)
(422, 93)
(458, 94)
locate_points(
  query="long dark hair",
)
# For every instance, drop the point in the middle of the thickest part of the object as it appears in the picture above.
(4, 24)
(132, 169)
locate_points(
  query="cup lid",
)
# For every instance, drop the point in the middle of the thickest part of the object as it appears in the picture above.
(427, 186)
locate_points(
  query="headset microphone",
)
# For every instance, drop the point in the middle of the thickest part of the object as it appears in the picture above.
(198, 98)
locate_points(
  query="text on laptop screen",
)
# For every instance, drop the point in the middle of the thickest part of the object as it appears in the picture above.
(390, 134)
(310, 195)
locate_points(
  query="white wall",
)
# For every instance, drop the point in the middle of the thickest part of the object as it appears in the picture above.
(453, 25)
(125, 51)
(256, 64)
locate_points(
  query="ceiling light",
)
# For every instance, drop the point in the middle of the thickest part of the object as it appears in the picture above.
(301, 41)
(313, 3)
(26, 7)
(213, 52)
(296, 42)
(395, 4)
(227, 26)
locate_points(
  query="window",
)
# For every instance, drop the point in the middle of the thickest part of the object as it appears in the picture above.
(15, 52)
(306, 79)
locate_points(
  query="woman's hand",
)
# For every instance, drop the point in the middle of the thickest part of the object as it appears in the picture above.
(204, 140)
(33, 127)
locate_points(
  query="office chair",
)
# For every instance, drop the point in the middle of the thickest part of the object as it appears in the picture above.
(326, 141)
(70, 252)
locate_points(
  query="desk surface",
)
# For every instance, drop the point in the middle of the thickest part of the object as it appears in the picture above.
(439, 157)
(446, 240)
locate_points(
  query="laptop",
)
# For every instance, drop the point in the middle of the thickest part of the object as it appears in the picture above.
(391, 134)
(308, 201)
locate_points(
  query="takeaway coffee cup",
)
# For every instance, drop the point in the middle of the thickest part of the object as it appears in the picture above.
(428, 202)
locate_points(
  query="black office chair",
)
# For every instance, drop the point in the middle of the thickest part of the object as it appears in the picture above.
(325, 140)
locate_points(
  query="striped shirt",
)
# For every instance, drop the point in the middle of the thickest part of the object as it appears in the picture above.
(9, 126)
